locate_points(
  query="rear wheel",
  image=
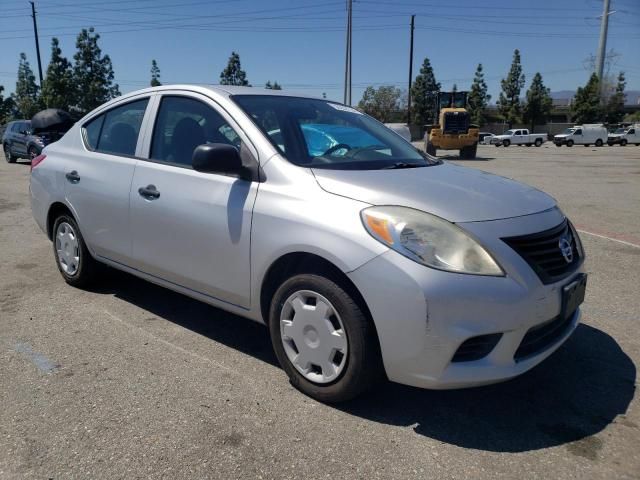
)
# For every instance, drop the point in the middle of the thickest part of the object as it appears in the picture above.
(506, 143)
(623, 142)
(8, 156)
(75, 263)
(538, 142)
(569, 143)
(323, 340)
(598, 143)
(33, 153)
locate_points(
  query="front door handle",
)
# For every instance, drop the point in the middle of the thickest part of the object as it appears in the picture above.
(149, 192)
(73, 176)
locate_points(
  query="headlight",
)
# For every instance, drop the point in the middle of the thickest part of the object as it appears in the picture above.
(429, 240)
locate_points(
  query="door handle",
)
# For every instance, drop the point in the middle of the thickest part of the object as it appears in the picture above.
(73, 176)
(149, 192)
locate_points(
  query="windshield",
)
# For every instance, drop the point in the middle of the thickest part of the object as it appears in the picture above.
(619, 130)
(569, 131)
(321, 134)
(509, 132)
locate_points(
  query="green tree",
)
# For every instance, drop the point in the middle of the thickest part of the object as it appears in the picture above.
(424, 94)
(538, 104)
(380, 103)
(92, 73)
(272, 86)
(478, 97)
(26, 96)
(615, 106)
(57, 88)
(155, 74)
(509, 101)
(233, 73)
(6, 107)
(586, 107)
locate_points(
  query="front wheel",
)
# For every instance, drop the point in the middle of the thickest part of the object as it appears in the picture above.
(623, 142)
(323, 340)
(506, 143)
(569, 143)
(598, 143)
(75, 263)
(538, 142)
(8, 156)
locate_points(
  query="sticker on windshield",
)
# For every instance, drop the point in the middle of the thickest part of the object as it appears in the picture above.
(344, 108)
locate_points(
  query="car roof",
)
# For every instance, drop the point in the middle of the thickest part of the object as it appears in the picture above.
(224, 90)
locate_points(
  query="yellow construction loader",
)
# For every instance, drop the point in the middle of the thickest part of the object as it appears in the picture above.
(453, 130)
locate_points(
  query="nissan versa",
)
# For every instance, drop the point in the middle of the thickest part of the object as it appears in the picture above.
(365, 257)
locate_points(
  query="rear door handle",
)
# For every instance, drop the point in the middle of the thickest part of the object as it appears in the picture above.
(149, 192)
(73, 176)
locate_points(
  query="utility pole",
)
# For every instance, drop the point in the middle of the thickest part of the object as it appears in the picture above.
(35, 32)
(413, 17)
(602, 45)
(347, 65)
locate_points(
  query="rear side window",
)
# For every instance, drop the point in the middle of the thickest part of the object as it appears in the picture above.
(117, 130)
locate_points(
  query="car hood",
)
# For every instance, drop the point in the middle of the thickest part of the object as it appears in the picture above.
(455, 193)
(560, 135)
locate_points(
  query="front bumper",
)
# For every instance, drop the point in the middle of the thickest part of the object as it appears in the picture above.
(422, 315)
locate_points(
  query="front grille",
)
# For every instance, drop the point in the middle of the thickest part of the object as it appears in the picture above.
(455, 122)
(476, 348)
(540, 337)
(542, 251)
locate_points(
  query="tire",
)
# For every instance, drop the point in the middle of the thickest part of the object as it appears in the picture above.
(358, 370)
(471, 151)
(538, 142)
(623, 142)
(558, 144)
(598, 143)
(65, 233)
(8, 156)
(431, 150)
(506, 143)
(569, 143)
(33, 152)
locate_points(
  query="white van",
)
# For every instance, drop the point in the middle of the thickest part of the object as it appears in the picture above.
(622, 136)
(593, 134)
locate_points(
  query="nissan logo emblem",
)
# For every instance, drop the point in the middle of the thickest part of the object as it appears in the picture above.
(565, 248)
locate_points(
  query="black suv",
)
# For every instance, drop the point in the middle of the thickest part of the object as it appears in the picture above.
(18, 141)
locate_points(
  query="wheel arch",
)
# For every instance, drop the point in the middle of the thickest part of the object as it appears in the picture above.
(294, 263)
(55, 210)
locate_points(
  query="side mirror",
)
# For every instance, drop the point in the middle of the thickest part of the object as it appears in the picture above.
(219, 158)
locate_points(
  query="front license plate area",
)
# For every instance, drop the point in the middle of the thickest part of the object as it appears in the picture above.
(573, 295)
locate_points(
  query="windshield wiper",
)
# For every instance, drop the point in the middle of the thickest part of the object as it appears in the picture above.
(399, 165)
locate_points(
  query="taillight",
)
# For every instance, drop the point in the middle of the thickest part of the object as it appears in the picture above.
(37, 161)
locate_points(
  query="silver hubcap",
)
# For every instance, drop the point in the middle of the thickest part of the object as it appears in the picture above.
(313, 336)
(67, 248)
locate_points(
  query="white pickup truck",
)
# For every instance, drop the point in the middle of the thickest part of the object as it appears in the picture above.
(519, 136)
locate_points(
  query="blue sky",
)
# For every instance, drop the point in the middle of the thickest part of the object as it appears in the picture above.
(301, 44)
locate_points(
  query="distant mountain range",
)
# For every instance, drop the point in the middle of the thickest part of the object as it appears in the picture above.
(563, 97)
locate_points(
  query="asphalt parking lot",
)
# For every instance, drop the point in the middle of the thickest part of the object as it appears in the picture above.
(132, 381)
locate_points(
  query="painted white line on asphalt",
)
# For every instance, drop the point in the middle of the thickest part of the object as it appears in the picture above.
(169, 344)
(609, 238)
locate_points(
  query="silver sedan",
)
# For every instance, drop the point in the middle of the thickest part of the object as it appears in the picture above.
(365, 257)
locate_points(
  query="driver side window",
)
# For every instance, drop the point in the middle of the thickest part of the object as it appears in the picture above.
(578, 132)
